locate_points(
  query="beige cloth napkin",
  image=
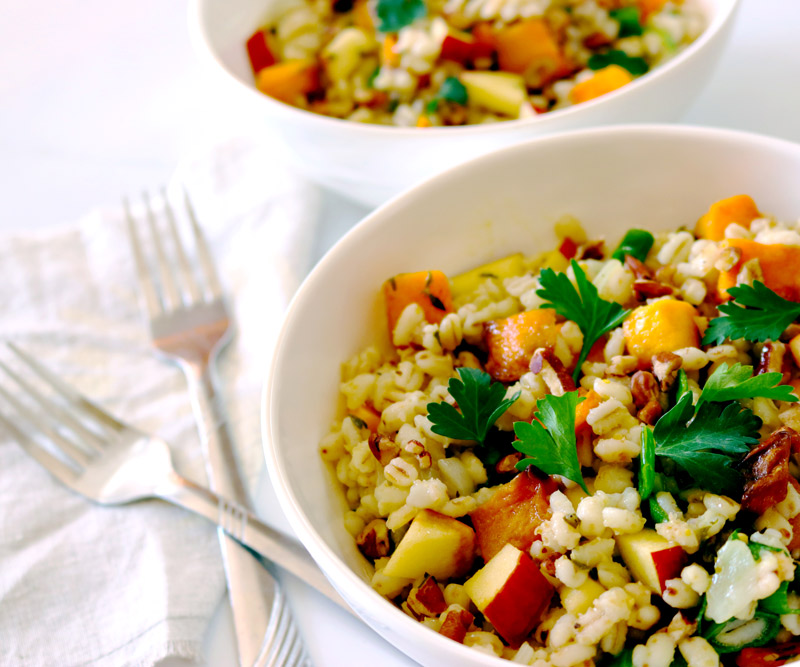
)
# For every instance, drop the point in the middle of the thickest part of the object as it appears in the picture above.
(82, 584)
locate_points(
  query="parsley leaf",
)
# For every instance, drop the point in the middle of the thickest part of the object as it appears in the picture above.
(481, 402)
(629, 18)
(756, 313)
(737, 382)
(593, 315)
(396, 14)
(705, 446)
(552, 448)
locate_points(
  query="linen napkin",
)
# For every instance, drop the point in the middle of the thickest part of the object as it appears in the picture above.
(82, 584)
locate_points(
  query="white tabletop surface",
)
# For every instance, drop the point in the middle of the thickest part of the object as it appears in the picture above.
(100, 99)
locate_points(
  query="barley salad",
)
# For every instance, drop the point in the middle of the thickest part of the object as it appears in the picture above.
(587, 457)
(430, 63)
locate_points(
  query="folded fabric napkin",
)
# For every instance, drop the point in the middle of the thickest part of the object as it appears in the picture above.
(82, 584)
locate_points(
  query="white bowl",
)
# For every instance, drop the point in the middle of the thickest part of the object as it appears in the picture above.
(656, 177)
(371, 163)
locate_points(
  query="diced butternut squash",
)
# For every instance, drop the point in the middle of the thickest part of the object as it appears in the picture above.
(647, 7)
(423, 121)
(740, 209)
(288, 81)
(777, 262)
(388, 55)
(662, 326)
(467, 282)
(367, 415)
(604, 81)
(429, 289)
(512, 341)
(527, 44)
(503, 92)
(434, 544)
(591, 401)
(513, 513)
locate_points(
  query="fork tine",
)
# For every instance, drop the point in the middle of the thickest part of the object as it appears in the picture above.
(56, 467)
(189, 278)
(54, 409)
(171, 294)
(70, 394)
(67, 447)
(152, 301)
(203, 254)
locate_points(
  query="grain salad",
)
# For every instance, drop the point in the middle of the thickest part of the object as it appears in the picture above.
(589, 456)
(423, 63)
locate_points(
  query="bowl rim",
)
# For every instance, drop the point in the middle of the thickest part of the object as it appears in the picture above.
(372, 604)
(199, 37)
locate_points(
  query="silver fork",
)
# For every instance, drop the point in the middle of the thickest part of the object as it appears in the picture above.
(113, 463)
(189, 326)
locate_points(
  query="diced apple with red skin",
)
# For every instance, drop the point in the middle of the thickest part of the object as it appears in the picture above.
(511, 593)
(513, 513)
(651, 559)
(427, 599)
(434, 544)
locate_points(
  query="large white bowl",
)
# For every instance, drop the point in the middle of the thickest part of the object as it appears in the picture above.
(371, 163)
(657, 177)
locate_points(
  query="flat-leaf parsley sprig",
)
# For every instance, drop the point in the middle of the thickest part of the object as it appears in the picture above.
(481, 403)
(396, 14)
(755, 313)
(593, 315)
(552, 448)
(737, 382)
(706, 443)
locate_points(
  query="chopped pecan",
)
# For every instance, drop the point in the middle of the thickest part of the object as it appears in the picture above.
(373, 541)
(592, 250)
(773, 356)
(644, 388)
(455, 624)
(555, 376)
(639, 270)
(650, 413)
(665, 368)
(422, 455)
(766, 470)
(427, 600)
(650, 289)
(508, 464)
(382, 448)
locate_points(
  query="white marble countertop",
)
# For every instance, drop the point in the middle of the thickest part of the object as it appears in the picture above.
(99, 100)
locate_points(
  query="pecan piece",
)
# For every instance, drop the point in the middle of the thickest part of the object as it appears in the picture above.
(773, 356)
(455, 624)
(427, 600)
(650, 289)
(766, 470)
(592, 250)
(644, 388)
(665, 368)
(382, 448)
(639, 270)
(373, 541)
(650, 413)
(555, 376)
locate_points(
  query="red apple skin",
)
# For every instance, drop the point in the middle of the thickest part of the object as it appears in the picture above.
(455, 625)
(518, 606)
(669, 563)
(458, 47)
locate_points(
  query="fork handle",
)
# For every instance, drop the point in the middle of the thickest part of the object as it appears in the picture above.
(271, 545)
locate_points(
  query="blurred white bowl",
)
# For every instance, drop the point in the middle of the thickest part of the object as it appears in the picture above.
(657, 177)
(372, 163)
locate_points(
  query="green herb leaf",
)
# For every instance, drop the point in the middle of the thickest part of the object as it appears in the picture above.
(636, 66)
(636, 242)
(778, 602)
(647, 464)
(629, 19)
(624, 659)
(358, 422)
(593, 315)
(755, 313)
(552, 448)
(396, 14)
(481, 402)
(737, 382)
(453, 90)
(707, 443)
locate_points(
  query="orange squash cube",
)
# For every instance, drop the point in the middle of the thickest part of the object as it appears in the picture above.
(604, 81)
(777, 263)
(428, 289)
(662, 326)
(512, 341)
(288, 81)
(740, 209)
(527, 44)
